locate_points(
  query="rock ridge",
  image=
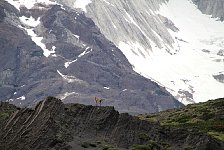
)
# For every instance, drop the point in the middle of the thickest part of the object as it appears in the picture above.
(54, 125)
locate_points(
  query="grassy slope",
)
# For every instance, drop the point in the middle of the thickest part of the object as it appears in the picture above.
(208, 117)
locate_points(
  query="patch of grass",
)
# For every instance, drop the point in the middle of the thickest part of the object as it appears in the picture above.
(85, 144)
(188, 148)
(4, 115)
(73, 107)
(182, 118)
(151, 145)
(208, 117)
(6, 110)
(218, 135)
(144, 137)
(92, 145)
(107, 147)
(101, 145)
(141, 147)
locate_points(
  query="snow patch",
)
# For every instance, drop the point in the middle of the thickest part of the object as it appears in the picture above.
(69, 79)
(10, 100)
(82, 4)
(107, 88)
(38, 41)
(54, 55)
(133, 50)
(115, 27)
(108, 3)
(85, 52)
(67, 94)
(32, 23)
(29, 4)
(67, 64)
(22, 98)
(77, 36)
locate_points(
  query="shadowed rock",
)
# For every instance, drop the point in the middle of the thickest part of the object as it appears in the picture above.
(52, 124)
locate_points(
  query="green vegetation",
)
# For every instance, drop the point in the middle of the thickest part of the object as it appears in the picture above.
(6, 112)
(144, 137)
(188, 148)
(99, 145)
(72, 108)
(107, 147)
(85, 144)
(152, 145)
(88, 144)
(4, 115)
(207, 117)
(104, 145)
(217, 135)
(141, 147)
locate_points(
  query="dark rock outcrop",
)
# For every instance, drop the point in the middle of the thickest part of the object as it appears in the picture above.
(211, 7)
(54, 125)
(219, 78)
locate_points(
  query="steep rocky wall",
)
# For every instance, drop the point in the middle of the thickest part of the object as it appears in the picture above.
(211, 7)
(131, 21)
(85, 64)
(156, 36)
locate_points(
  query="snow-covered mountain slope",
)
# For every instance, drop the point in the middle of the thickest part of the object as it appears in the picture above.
(29, 4)
(200, 56)
(50, 49)
(171, 42)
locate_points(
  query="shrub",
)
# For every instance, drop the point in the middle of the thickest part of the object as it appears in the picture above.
(143, 137)
(183, 118)
(85, 144)
(206, 116)
(4, 115)
(107, 147)
(141, 147)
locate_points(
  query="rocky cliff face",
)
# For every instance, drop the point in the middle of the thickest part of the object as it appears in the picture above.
(134, 20)
(50, 49)
(54, 125)
(172, 42)
(211, 7)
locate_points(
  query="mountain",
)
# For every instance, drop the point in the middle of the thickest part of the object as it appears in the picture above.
(54, 125)
(176, 43)
(50, 49)
(129, 51)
